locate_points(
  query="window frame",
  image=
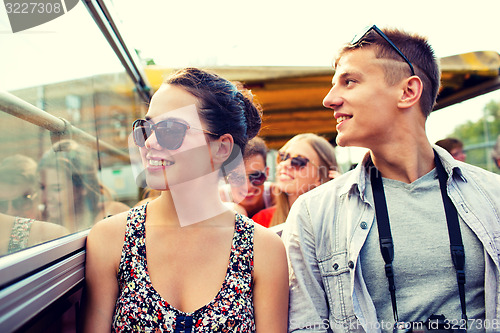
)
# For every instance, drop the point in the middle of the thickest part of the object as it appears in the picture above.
(35, 278)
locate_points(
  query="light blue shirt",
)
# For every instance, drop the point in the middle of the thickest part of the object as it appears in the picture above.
(327, 227)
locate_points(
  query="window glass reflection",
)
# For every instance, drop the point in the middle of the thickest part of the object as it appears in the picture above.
(18, 179)
(70, 192)
(54, 184)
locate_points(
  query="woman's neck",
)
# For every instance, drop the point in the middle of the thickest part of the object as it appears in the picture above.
(191, 202)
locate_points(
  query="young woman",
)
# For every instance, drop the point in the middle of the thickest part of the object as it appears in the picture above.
(71, 192)
(184, 262)
(304, 162)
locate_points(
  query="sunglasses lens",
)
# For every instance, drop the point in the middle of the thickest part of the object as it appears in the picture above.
(141, 131)
(257, 178)
(170, 135)
(235, 179)
(359, 36)
(298, 162)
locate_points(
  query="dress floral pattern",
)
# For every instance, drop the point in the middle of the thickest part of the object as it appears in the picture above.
(140, 308)
(20, 234)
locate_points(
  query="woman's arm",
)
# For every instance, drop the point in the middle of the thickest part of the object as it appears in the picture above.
(104, 245)
(270, 282)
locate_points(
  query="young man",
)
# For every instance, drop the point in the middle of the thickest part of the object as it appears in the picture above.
(255, 193)
(455, 147)
(384, 87)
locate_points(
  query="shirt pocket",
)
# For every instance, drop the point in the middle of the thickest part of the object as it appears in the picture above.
(335, 272)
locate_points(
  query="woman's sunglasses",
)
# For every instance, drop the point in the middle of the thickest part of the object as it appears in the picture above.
(23, 202)
(297, 161)
(169, 133)
(256, 178)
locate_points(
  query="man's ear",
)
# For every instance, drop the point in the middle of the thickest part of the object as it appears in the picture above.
(411, 92)
(222, 148)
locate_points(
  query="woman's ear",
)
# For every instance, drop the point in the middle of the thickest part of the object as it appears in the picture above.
(411, 92)
(222, 148)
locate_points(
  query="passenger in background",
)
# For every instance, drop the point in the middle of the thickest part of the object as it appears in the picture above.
(19, 207)
(184, 262)
(17, 233)
(495, 154)
(18, 184)
(108, 206)
(147, 195)
(304, 162)
(71, 194)
(253, 193)
(454, 146)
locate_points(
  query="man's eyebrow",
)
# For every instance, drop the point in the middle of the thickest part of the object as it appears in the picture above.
(343, 75)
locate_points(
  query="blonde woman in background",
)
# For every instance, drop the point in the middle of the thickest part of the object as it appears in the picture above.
(304, 162)
(71, 193)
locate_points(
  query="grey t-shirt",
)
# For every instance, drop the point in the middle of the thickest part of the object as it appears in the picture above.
(425, 277)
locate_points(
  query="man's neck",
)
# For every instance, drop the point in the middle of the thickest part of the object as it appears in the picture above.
(404, 161)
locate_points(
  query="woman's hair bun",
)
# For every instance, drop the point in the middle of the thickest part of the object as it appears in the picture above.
(253, 111)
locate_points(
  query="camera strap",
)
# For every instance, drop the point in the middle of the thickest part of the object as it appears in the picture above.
(387, 245)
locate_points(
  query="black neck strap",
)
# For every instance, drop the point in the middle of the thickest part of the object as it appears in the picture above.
(385, 236)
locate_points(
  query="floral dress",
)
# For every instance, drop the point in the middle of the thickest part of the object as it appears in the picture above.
(20, 234)
(140, 308)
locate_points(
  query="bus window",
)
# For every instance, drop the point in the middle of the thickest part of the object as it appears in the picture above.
(69, 92)
(66, 105)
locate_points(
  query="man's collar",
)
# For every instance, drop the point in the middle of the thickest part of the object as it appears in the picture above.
(358, 176)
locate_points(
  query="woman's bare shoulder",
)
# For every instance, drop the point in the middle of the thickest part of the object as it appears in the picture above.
(267, 244)
(110, 226)
(108, 233)
(270, 263)
(105, 243)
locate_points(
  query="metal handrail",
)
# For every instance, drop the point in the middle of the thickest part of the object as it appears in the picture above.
(57, 126)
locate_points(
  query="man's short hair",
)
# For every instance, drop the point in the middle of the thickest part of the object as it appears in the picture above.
(418, 51)
(256, 146)
(449, 144)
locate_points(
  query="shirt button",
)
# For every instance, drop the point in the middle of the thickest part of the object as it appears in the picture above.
(335, 266)
(350, 264)
(363, 225)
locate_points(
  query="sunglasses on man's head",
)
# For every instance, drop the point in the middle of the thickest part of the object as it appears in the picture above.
(297, 161)
(359, 39)
(23, 202)
(169, 133)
